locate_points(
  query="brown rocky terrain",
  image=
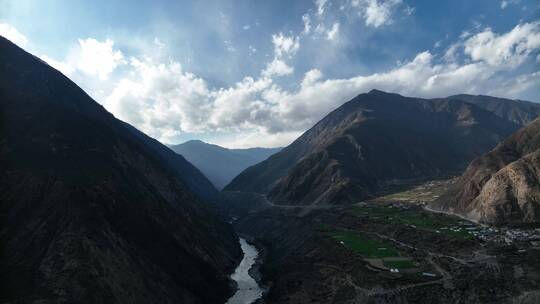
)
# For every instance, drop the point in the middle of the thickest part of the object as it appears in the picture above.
(501, 187)
(518, 111)
(373, 140)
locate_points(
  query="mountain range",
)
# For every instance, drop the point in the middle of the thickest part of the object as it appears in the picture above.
(94, 211)
(381, 138)
(220, 164)
(501, 187)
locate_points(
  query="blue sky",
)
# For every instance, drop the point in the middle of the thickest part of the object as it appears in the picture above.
(259, 73)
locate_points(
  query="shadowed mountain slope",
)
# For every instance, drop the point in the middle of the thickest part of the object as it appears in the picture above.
(92, 210)
(518, 111)
(375, 139)
(501, 187)
(220, 164)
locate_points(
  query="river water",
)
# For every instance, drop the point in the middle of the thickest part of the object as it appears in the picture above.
(248, 289)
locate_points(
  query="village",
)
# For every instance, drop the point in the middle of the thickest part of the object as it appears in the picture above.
(520, 237)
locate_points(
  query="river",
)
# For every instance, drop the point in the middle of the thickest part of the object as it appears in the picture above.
(248, 289)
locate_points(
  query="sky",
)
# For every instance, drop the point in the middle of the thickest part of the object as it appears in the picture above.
(253, 73)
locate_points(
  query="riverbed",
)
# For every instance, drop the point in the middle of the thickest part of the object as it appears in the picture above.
(248, 289)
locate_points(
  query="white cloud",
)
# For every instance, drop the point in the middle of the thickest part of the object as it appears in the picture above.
(165, 101)
(307, 24)
(277, 67)
(408, 10)
(258, 139)
(162, 99)
(311, 77)
(509, 49)
(285, 45)
(333, 33)
(96, 58)
(12, 34)
(320, 6)
(91, 57)
(61, 66)
(378, 12)
(505, 3)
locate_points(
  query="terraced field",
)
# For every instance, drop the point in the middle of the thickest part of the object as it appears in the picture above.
(438, 223)
(415, 193)
(380, 255)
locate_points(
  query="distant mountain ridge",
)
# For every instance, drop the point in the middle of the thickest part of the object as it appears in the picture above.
(520, 112)
(375, 139)
(501, 187)
(91, 209)
(220, 165)
(191, 175)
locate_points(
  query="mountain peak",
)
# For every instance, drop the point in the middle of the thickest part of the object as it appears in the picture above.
(375, 91)
(195, 141)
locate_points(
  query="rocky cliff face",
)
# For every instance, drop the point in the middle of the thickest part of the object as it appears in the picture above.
(372, 140)
(91, 211)
(501, 187)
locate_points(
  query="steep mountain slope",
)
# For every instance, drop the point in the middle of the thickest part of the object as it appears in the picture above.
(518, 111)
(502, 186)
(375, 139)
(220, 164)
(91, 211)
(191, 175)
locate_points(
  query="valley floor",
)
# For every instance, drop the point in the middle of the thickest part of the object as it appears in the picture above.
(392, 250)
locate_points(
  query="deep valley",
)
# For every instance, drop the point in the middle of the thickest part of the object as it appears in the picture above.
(392, 252)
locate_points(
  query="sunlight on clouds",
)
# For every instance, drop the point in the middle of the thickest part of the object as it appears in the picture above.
(164, 100)
(158, 96)
(91, 57)
(13, 35)
(96, 58)
(277, 67)
(161, 99)
(510, 49)
(376, 12)
(285, 45)
(311, 77)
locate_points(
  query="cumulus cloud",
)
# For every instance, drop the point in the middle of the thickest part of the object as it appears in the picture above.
(311, 77)
(95, 57)
(278, 68)
(12, 34)
(161, 99)
(285, 45)
(91, 57)
(377, 12)
(509, 49)
(164, 100)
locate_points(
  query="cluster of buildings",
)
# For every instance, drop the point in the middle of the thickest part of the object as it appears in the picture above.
(510, 236)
